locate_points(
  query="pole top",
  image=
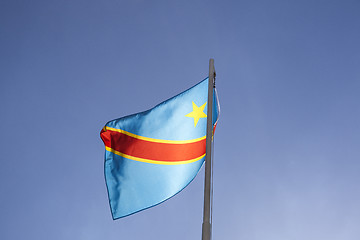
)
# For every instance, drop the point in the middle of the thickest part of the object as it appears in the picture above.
(212, 72)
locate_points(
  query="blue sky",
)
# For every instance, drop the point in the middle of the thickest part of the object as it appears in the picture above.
(287, 155)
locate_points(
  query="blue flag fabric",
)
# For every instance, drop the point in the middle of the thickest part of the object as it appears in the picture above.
(152, 155)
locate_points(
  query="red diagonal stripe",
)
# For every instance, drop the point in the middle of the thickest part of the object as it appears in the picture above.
(152, 150)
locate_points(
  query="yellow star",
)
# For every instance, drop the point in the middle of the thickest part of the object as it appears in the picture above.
(197, 113)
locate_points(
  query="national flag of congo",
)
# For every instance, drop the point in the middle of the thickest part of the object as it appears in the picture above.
(152, 155)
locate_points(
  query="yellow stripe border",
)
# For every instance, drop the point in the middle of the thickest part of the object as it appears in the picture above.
(154, 139)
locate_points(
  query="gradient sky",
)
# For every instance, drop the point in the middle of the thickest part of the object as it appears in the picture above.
(287, 146)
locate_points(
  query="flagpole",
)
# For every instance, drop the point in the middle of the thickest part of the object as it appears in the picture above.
(206, 226)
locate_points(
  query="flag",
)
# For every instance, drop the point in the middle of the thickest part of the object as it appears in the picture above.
(153, 155)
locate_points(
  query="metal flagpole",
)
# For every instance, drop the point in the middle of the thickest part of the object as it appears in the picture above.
(206, 226)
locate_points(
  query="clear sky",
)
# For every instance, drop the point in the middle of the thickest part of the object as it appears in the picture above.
(287, 146)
